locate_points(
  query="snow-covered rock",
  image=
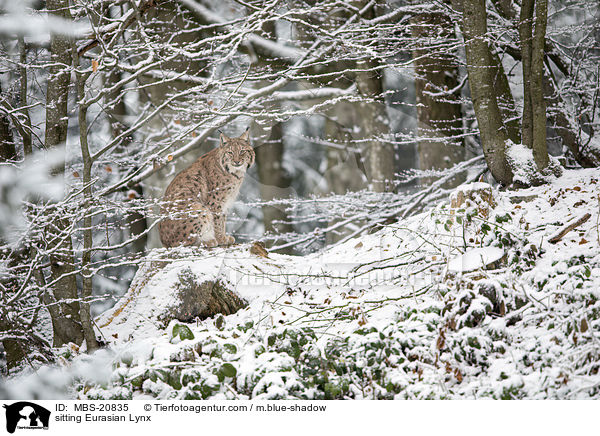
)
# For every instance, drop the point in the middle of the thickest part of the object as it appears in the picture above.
(161, 293)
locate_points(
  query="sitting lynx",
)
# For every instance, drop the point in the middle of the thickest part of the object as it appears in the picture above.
(197, 200)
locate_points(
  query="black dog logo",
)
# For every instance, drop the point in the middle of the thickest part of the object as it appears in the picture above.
(30, 415)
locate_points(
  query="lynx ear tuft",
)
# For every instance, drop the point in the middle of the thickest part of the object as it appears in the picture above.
(246, 135)
(223, 138)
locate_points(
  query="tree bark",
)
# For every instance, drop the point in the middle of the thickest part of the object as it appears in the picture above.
(560, 120)
(378, 154)
(67, 325)
(86, 256)
(532, 56)
(273, 180)
(494, 136)
(506, 101)
(27, 141)
(7, 143)
(439, 115)
(538, 105)
(116, 111)
(525, 39)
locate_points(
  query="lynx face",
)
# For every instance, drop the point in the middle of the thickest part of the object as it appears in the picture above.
(236, 154)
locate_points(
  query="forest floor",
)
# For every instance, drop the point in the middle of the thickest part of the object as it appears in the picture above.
(496, 297)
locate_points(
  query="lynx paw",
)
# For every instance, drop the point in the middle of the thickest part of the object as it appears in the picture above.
(210, 243)
(227, 240)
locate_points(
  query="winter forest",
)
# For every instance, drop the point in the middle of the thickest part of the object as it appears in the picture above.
(421, 219)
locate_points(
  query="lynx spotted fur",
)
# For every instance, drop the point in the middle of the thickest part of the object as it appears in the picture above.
(196, 202)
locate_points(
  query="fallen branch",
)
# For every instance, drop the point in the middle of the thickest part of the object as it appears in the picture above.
(572, 224)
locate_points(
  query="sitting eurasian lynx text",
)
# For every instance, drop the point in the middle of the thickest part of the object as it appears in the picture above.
(197, 200)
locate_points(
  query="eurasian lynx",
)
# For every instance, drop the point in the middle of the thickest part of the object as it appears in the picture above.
(197, 200)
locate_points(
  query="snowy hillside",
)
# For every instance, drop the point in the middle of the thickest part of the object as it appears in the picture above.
(469, 301)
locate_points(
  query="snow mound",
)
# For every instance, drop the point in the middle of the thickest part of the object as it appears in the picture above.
(474, 259)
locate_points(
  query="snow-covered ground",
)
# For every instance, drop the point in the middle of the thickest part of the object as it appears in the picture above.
(464, 302)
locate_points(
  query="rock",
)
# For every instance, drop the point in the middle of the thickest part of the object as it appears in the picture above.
(201, 299)
(516, 199)
(164, 290)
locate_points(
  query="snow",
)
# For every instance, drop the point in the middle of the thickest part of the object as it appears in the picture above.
(475, 258)
(521, 161)
(377, 316)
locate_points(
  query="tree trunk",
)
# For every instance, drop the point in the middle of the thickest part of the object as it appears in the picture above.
(494, 136)
(439, 115)
(538, 105)
(67, 323)
(86, 256)
(378, 154)
(506, 101)
(525, 31)
(7, 143)
(273, 180)
(532, 56)
(26, 134)
(117, 112)
(563, 125)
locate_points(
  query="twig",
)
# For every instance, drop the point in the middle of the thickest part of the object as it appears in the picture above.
(573, 224)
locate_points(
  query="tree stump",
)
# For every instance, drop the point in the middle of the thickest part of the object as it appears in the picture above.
(478, 194)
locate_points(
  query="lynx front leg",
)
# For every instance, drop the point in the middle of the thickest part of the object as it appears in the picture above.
(220, 219)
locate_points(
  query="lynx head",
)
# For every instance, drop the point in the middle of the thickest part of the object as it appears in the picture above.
(236, 154)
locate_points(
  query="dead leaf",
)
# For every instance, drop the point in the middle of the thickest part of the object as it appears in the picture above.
(459, 376)
(441, 340)
(170, 157)
(94, 65)
(75, 174)
(583, 241)
(108, 169)
(258, 249)
(359, 245)
(584, 326)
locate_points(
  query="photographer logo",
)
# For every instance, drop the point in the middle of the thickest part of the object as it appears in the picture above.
(26, 415)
